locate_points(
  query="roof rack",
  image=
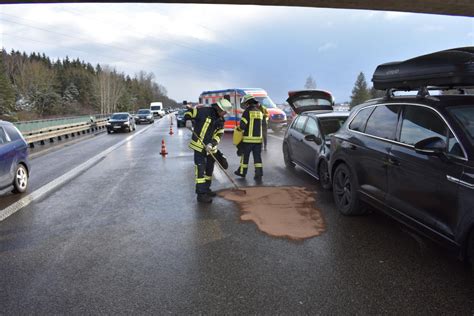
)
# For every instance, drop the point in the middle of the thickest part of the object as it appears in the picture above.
(424, 92)
(446, 69)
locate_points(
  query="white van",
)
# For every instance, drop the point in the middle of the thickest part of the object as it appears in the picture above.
(157, 109)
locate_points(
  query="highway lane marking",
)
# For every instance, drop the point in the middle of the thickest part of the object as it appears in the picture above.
(280, 138)
(23, 202)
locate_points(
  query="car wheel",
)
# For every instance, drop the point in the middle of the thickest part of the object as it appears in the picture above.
(108, 131)
(20, 182)
(470, 249)
(287, 157)
(323, 173)
(345, 191)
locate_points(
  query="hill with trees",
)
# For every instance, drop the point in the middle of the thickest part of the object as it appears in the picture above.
(35, 87)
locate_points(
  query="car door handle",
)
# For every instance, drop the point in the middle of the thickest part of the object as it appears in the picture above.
(352, 147)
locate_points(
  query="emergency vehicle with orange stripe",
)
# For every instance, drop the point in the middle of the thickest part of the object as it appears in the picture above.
(277, 118)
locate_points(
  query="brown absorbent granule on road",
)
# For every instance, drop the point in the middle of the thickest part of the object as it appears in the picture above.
(279, 211)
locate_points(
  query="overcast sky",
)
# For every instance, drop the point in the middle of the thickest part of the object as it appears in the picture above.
(191, 48)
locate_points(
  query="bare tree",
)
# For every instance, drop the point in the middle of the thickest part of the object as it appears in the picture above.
(110, 88)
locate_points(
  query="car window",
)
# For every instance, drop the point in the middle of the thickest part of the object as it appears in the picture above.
(359, 121)
(3, 136)
(454, 148)
(330, 125)
(12, 132)
(421, 123)
(311, 127)
(465, 117)
(383, 122)
(299, 123)
(119, 116)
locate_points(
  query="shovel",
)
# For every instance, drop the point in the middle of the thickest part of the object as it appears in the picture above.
(236, 187)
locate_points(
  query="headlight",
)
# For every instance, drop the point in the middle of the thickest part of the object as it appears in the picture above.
(108, 123)
(148, 116)
(127, 123)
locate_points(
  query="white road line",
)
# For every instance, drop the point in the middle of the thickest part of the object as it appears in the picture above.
(280, 138)
(15, 207)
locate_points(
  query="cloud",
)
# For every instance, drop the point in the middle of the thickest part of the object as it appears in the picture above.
(431, 28)
(326, 47)
(391, 16)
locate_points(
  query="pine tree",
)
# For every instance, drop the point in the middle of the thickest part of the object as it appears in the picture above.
(310, 83)
(7, 93)
(360, 92)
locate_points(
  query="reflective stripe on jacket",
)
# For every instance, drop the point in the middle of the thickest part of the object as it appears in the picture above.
(208, 125)
(251, 125)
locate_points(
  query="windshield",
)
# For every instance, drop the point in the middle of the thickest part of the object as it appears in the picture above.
(144, 112)
(330, 125)
(303, 102)
(155, 107)
(465, 116)
(119, 116)
(181, 112)
(266, 102)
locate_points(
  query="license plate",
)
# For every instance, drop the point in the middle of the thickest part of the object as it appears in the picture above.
(117, 126)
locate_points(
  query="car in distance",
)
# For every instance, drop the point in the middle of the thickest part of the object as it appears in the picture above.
(180, 118)
(14, 164)
(121, 121)
(157, 109)
(144, 116)
(412, 156)
(306, 141)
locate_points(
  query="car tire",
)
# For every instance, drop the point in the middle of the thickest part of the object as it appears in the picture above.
(287, 157)
(345, 192)
(323, 174)
(20, 181)
(108, 132)
(470, 249)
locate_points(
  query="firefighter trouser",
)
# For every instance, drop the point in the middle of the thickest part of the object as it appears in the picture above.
(256, 150)
(204, 166)
(264, 135)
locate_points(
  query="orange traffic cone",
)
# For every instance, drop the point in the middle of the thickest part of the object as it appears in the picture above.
(171, 130)
(163, 148)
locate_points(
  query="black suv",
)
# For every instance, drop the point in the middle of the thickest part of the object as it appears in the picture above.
(413, 156)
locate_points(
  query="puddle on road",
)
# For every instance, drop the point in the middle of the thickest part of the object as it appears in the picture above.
(287, 212)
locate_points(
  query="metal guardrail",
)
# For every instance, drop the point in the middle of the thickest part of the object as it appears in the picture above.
(59, 131)
(32, 126)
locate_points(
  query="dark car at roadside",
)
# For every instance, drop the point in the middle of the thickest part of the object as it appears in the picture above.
(306, 142)
(144, 116)
(412, 156)
(180, 118)
(14, 164)
(119, 122)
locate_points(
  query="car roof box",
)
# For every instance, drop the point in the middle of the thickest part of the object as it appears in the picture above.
(448, 68)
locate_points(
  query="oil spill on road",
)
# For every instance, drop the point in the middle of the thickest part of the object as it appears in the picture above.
(287, 212)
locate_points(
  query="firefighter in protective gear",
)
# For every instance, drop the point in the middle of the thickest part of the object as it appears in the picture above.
(264, 125)
(208, 129)
(251, 124)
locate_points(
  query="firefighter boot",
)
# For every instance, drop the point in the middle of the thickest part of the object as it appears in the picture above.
(258, 174)
(204, 198)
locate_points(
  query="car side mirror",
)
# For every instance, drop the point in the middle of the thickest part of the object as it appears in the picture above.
(313, 138)
(433, 146)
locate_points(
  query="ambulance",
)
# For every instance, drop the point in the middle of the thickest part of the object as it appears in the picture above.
(277, 118)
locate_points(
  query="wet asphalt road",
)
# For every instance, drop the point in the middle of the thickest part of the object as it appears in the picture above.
(127, 236)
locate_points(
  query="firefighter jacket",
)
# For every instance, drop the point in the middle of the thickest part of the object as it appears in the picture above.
(251, 125)
(208, 125)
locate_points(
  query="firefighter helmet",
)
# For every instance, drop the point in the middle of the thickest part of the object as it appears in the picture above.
(224, 105)
(246, 98)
